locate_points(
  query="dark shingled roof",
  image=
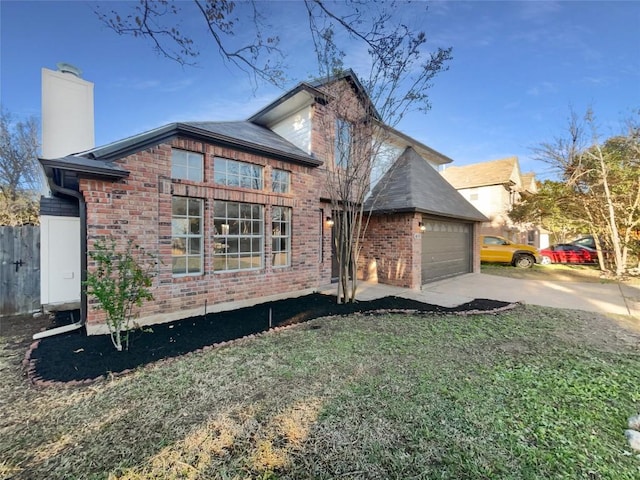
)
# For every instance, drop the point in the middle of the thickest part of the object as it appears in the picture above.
(412, 185)
(243, 135)
(257, 135)
(86, 166)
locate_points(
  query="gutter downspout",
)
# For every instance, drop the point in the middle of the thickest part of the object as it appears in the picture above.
(82, 206)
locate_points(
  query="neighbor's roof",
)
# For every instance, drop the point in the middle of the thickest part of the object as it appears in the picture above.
(496, 172)
(412, 185)
(529, 182)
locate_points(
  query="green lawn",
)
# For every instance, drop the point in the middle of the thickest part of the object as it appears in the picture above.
(534, 393)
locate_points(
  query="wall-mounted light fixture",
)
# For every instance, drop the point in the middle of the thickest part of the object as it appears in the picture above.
(422, 226)
(330, 222)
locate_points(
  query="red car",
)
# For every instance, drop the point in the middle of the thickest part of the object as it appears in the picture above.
(568, 253)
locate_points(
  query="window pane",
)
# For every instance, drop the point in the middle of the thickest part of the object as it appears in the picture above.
(219, 209)
(179, 205)
(245, 210)
(178, 265)
(245, 245)
(194, 265)
(219, 178)
(179, 226)
(233, 210)
(232, 245)
(194, 245)
(194, 226)
(194, 207)
(178, 171)
(178, 246)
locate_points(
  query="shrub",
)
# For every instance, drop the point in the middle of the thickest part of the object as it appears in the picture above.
(120, 282)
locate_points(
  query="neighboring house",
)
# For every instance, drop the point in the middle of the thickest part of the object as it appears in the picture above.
(237, 212)
(493, 188)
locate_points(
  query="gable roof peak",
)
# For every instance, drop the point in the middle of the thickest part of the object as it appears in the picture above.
(503, 171)
(412, 185)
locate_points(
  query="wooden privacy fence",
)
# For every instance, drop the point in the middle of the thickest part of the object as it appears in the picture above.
(19, 269)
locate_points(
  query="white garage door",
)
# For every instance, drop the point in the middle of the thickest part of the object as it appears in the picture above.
(446, 249)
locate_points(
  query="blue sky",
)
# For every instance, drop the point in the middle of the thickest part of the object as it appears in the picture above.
(517, 68)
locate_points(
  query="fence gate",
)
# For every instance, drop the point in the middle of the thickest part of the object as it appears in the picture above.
(19, 269)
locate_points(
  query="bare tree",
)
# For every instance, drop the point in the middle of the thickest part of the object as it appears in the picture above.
(604, 176)
(159, 22)
(358, 118)
(18, 155)
(19, 177)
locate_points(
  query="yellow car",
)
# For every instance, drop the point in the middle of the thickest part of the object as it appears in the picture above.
(500, 250)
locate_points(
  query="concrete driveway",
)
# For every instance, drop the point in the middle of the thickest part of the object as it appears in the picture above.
(595, 297)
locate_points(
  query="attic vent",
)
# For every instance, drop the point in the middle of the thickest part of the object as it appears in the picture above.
(68, 68)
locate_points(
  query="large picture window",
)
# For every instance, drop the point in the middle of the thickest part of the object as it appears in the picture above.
(238, 236)
(186, 236)
(186, 165)
(281, 236)
(237, 174)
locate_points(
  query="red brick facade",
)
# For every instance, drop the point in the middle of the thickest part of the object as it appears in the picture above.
(140, 208)
(392, 250)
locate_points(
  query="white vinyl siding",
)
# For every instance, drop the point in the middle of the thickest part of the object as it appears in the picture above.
(296, 128)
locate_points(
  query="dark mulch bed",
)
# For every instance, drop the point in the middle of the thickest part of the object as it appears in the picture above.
(77, 357)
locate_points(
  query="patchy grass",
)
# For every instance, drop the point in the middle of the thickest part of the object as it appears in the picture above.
(529, 394)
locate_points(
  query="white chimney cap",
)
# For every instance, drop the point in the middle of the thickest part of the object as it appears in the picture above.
(68, 68)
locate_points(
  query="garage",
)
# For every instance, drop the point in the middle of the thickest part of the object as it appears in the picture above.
(446, 249)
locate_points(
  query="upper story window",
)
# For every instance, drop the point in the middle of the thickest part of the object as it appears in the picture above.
(237, 174)
(186, 165)
(342, 147)
(280, 181)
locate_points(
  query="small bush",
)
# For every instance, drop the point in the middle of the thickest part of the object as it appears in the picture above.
(120, 282)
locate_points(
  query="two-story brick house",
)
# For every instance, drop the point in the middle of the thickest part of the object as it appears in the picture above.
(237, 211)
